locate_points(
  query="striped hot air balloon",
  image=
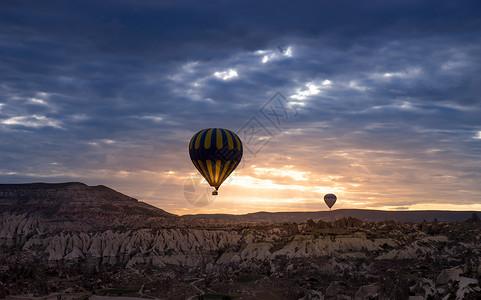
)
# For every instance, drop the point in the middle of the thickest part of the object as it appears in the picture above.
(215, 152)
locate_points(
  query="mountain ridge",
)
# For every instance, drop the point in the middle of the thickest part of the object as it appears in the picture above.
(332, 215)
(77, 200)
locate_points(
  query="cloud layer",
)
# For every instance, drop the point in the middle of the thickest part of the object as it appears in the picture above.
(376, 101)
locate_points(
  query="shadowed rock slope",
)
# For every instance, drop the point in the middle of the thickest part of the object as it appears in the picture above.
(75, 203)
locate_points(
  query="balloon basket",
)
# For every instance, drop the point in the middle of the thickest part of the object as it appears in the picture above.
(215, 193)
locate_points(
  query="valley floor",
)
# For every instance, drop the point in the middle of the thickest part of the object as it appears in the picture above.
(344, 259)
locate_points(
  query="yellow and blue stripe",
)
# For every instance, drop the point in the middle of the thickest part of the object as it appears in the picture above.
(215, 152)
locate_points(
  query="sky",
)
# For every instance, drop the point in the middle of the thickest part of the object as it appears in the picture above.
(375, 101)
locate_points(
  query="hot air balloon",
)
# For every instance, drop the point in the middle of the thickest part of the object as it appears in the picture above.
(215, 152)
(330, 199)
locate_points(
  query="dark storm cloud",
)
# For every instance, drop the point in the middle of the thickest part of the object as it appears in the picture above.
(121, 86)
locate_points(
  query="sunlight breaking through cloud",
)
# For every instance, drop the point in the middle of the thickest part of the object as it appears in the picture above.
(275, 55)
(296, 175)
(268, 184)
(312, 89)
(38, 101)
(288, 52)
(408, 73)
(33, 121)
(226, 75)
(152, 118)
(268, 57)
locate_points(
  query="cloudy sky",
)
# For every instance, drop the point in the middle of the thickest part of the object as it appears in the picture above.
(376, 101)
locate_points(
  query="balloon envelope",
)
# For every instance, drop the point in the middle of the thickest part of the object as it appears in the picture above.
(330, 199)
(215, 152)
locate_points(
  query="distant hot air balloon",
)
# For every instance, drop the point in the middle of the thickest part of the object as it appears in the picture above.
(215, 152)
(330, 199)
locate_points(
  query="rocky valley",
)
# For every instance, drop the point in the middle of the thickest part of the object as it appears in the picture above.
(72, 240)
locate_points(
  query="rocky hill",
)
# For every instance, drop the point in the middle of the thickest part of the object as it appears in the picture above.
(50, 199)
(76, 205)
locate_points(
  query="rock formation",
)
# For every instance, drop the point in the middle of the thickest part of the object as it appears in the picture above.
(52, 245)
